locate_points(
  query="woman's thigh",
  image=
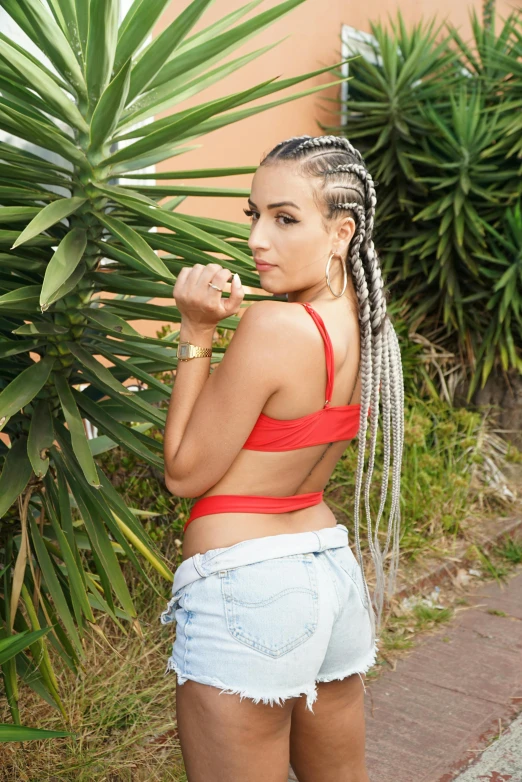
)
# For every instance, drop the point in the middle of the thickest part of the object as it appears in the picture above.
(329, 745)
(225, 738)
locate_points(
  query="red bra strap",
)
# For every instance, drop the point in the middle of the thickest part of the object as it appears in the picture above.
(328, 349)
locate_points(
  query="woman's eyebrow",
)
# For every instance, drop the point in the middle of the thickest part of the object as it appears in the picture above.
(274, 206)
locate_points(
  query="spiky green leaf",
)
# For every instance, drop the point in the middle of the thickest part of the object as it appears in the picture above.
(15, 474)
(25, 386)
(41, 437)
(79, 440)
(110, 106)
(38, 80)
(49, 215)
(102, 38)
(63, 264)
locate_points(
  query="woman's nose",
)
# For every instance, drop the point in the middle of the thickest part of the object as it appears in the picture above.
(257, 240)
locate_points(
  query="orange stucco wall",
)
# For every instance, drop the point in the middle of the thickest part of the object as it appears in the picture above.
(313, 29)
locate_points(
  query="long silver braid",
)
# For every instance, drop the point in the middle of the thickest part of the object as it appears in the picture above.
(343, 174)
(378, 318)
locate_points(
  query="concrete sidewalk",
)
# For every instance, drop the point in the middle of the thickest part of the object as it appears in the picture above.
(431, 718)
(501, 761)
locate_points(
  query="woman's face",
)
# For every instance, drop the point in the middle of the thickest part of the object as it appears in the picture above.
(287, 231)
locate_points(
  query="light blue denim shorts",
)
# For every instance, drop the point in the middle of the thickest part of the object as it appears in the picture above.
(270, 617)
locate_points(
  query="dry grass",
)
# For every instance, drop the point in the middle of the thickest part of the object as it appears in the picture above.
(121, 710)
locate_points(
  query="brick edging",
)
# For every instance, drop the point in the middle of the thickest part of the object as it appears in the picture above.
(447, 570)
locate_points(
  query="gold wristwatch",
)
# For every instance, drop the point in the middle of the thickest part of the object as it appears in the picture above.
(186, 351)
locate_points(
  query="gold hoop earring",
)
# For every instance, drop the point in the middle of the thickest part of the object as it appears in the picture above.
(337, 295)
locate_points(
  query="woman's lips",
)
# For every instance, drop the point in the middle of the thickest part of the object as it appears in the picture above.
(264, 267)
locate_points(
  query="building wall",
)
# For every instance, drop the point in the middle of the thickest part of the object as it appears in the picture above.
(313, 29)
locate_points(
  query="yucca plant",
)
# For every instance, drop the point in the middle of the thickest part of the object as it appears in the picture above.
(484, 56)
(460, 184)
(384, 104)
(72, 232)
(503, 272)
(439, 124)
(510, 93)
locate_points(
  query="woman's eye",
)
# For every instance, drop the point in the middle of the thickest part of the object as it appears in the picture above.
(289, 220)
(286, 218)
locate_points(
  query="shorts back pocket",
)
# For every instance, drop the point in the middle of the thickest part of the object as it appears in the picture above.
(272, 605)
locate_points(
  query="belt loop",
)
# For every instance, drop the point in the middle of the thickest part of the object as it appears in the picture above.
(322, 544)
(198, 566)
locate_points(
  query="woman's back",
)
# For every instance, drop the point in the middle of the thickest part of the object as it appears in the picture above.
(296, 470)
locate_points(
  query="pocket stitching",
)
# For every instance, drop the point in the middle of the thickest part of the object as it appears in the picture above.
(252, 643)
(274, 597)
(245, 638)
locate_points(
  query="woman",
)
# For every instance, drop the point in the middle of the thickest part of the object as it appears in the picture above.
(272, 607)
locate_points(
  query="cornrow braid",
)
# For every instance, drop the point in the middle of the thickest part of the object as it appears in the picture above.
(288, 143)
(338, 142)
(378, 309)
(374, 269)
(366, 370)
(354, 207)
(346, 185)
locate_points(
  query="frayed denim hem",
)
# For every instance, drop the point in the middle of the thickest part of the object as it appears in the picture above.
(363, 667)
(310, 692)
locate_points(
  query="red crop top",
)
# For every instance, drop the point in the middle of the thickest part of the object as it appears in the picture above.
(327, 425)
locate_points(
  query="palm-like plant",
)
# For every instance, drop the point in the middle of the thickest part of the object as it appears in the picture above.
(509, 62)
(460, 183)
(9, 648)
(69, 234)
(440, 127)
(384, 116)
(488, 53)
(503, 272)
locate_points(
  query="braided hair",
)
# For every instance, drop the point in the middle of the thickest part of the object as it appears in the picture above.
(345, 184)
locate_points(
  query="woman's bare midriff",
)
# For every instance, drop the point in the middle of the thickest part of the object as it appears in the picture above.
(267, 474)
(225, 529)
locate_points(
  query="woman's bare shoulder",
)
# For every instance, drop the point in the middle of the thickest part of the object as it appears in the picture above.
(274, 311)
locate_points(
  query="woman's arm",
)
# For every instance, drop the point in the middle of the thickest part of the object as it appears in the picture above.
(201, 309)
(191, 376)
(228, 406)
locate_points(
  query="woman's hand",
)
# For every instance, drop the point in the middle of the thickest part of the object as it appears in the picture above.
(201, 304)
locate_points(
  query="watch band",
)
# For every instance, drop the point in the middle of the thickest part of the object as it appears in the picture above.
(187, 351)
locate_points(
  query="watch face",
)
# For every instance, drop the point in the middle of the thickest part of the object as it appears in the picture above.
(184, 351)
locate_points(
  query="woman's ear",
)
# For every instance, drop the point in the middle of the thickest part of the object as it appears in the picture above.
(344, 234)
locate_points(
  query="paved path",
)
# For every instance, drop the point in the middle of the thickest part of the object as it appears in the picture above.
(428, 720)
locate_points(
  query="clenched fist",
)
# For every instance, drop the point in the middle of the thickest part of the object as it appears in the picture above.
(202, 304)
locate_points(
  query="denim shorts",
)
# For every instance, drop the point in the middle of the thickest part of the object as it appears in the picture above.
(270, 617)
